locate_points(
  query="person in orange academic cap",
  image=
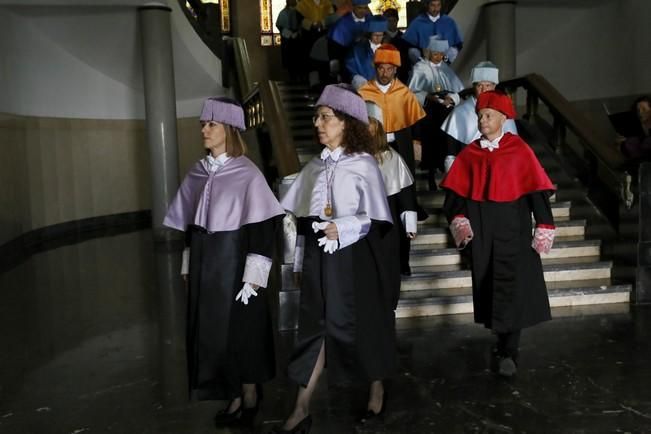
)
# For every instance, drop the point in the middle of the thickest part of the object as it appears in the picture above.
(494, 186)
(401, 112)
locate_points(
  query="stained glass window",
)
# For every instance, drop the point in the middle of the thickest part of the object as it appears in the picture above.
(269, 10)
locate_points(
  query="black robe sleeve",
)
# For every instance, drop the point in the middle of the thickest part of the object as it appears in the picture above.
(262, 236)
(454, 146)
(541, 208)
(454, 205)
(406, 200)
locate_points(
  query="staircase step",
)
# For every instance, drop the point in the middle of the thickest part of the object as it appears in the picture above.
(461, 278)
(564, 226)
(435, 231)
(449, 256)
(582, 293)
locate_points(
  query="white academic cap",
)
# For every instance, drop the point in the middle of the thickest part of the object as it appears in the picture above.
(374, 111)
(438, 45)
(485, 71)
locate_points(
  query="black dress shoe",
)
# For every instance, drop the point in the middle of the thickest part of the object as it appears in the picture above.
(503, 364)
(303, 427)
(223, 418)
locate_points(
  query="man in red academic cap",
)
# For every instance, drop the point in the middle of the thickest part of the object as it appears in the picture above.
(493, 187)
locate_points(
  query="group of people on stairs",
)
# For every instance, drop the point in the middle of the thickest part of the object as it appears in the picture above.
(353, 203)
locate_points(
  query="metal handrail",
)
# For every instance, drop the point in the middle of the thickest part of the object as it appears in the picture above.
(604, 162)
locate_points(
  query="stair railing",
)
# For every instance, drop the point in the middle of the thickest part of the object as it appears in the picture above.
(263, 107)
(599, 164)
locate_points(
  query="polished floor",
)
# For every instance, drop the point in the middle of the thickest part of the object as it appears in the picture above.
(79, 354)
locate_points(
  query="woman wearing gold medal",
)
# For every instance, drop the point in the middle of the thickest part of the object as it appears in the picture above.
(342, 214)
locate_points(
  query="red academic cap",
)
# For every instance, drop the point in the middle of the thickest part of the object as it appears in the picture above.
(496, 100)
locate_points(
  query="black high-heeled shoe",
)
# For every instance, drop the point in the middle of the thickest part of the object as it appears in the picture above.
(303, 427)
(371, 416)
(223, 418)
(249, 414)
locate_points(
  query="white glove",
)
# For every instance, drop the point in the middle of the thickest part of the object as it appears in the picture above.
(316, 227)
(329, 246)
(452, 54)
(358, 81)
(246, 292)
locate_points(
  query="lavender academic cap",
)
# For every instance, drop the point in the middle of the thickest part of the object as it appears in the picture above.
(224, 110)
(343, 98)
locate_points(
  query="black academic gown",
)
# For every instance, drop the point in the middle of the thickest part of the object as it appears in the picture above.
(228, 343)
(508, 286)
(344, 302)
(396, 238)
(434, 140)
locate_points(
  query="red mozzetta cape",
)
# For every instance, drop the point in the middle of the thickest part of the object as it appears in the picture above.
(504, 175)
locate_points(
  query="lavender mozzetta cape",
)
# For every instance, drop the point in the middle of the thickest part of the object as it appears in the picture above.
(233, 196)
(357, 189)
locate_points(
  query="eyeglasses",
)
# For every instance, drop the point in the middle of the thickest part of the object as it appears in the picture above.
(324, 117)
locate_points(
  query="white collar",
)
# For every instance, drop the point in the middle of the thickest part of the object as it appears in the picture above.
(374, 46)
(334, 155)
(434, 19)
(491, 145)
(383, 87)
(215, 163)
(358, 20)
(435, 65)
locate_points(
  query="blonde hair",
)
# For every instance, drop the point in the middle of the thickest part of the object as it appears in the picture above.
(379, 139)
(235, 145)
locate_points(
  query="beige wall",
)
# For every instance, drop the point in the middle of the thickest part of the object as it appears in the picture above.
(55, 170)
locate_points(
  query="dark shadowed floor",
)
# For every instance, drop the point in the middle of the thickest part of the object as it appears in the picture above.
(79, 355)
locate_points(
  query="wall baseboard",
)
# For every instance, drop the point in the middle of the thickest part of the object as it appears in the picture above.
(21, 248)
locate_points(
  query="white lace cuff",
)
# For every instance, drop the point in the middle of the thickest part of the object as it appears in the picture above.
(410, 221)
(256, 270)
(185, 261)
(351, 229)
(299, 252)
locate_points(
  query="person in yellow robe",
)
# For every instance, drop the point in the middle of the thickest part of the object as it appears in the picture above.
(399, 105)
(402, 114)
(312, 16)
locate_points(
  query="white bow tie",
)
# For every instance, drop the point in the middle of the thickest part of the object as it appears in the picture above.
(359, 20)
(491, 146)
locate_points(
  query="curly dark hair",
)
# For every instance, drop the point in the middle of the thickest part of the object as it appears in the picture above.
(356, 138)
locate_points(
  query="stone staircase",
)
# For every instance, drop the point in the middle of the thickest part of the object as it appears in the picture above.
(440, 282)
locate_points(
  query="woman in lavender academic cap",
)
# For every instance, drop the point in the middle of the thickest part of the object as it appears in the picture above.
(230, 216)
(341, 206)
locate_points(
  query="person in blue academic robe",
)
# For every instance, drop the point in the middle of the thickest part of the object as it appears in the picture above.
(359, 62)
(345, 33)
(432, 23)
